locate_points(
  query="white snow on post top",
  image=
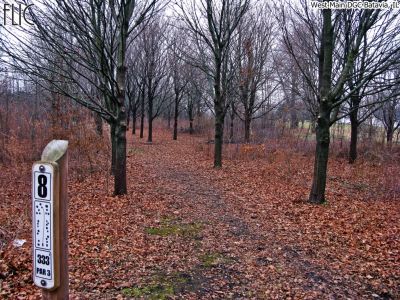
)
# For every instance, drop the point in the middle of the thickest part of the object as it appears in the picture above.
(54, 150)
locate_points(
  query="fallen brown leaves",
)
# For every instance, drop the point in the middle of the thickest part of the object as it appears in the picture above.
(188, 231)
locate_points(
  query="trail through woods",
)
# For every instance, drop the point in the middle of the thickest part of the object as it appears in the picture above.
(187, 231)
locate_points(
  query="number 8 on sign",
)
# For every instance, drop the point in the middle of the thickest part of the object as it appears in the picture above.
(43, 184)
(42, 187)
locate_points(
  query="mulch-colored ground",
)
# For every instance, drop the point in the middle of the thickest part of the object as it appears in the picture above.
(188, 231)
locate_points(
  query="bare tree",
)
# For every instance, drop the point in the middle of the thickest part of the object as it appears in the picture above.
(335, 64)
(211, 25)
(389, 112)
(377, 55)
(194, 95)
(179, 75)
(390, 118)
(153, 64)
(255, 65)
(133, 93)
(77, 45)
(291, 83)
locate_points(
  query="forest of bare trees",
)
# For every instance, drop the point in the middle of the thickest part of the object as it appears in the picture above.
(142, 60)
(289, 106)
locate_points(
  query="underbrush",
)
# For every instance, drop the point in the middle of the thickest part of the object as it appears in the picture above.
(87, 151)
(377, 165)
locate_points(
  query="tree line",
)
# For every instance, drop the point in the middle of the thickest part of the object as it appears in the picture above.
(133, 61)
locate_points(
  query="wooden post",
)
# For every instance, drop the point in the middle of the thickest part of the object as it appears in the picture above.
(50, 270)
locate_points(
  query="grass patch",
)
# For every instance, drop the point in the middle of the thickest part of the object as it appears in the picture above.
(181, 278)
(135, 150)
(214, 259)
(152, 291)
(161, 231)
(162, 286)
(169, 227)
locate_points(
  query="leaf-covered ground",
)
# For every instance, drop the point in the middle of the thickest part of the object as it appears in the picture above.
(188, 231)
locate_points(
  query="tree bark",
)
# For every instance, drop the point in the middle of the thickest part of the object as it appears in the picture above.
(134, 112)
(389, 136)
(120, 187)
(232, 122)
(190, 115)
(247, 124)
(219, 139)
(176, 115)
(219, 106)
(292, 102)
(150, 121)
(113, 146)
(191, 131)
(353, 136)
(142, 116)
(317, 194)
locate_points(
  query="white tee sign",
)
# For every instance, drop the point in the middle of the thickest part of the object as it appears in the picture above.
(44, 212)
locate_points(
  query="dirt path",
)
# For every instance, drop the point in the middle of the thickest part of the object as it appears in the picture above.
(188, 231)
(233, 255)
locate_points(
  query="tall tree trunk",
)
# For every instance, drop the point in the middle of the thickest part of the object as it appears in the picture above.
(142, 116)
(190, 113)
(120, 186)
(219, 105)
(353, 135)
(150, 121)
(389, 136)
(134, 112)
(292, 102)
(232, 122)
(113, 146)
(191, 130)
(219, 108)
(247, 124)
(219, 135)
(150, 133)
(317, 194)
(176, 114)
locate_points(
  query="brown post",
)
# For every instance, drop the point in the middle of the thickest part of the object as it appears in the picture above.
(56, 154)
